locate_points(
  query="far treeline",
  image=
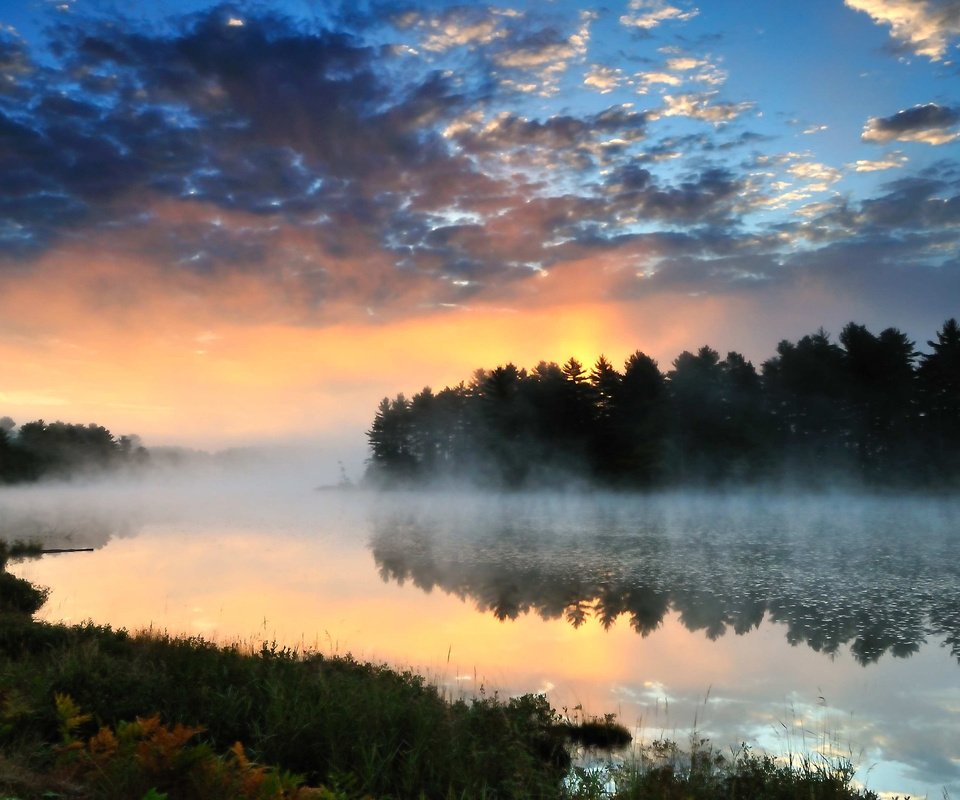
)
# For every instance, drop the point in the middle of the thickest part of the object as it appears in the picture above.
(60, 449)
(868, 409)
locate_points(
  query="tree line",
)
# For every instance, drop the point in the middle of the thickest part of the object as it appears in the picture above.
(869, 408)
(59, 449)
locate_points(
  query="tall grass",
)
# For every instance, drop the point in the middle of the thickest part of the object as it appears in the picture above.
(393, 734)
(664, 770)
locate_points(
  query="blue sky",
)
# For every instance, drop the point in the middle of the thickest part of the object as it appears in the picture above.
(312, 165)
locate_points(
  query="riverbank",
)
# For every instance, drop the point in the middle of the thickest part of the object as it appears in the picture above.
(86, 711)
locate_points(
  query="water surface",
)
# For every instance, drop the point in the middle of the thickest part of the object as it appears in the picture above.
(823, 623)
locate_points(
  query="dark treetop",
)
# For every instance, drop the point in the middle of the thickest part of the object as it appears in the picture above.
(61, 449)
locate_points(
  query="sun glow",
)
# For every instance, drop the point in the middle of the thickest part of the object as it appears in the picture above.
(182, 361)
(195, 367)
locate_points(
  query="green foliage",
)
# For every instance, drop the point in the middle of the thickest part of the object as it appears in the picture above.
(663, 771)
(18, 596)
(86, 711)
(357, 729)
(149, 759)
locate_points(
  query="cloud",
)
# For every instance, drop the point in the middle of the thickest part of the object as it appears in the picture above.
(261, 119)
(678, 70)
(648, 14)
(574, 140)
(782, 180)
(925, 26)
(543, 55)
(603, 79)
(820, 175)
(921, 205)
(15, 62)
(521, 54)
(706, 197)
(917, 218)
(892, 161)
(281, 171)
(685, 63)
(648, 79)
(742, 139)
(894, 254)
(700, 105)
(456, 27)
(928, 123)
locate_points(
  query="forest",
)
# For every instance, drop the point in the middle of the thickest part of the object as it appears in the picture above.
(868, 409)
(60, 449)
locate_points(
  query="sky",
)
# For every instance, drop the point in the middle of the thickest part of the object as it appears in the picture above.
(240, 223)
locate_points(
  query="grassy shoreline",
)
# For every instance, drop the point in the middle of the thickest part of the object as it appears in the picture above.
(88, 711)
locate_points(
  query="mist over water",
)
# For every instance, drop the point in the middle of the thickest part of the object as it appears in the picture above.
(878, 574)
(640, 604)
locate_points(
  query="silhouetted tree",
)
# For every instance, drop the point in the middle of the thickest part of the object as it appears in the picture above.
(880, 386)
(391, 441)
(939, 379)
(605, 384)
(7, 456)
(638, 417)
(425, 436)
(506, 424)
(453, 429)
(805, 386)
(746, 426)
(546, 391)
(132, 450)
(578, 407)
(63, 449)
(697, 415)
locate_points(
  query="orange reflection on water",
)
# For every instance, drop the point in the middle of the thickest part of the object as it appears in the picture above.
(315, 593)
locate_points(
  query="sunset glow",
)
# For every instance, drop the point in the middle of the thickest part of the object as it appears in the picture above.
(219, 227)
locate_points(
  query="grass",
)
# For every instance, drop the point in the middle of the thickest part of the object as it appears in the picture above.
(18, 596)
(385, 733)
(87, 711)
(662, 770)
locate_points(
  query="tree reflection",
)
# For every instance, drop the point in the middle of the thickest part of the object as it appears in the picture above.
(57, 528)
(853, 583)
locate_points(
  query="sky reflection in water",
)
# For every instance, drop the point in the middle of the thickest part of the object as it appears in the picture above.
(789, 622)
